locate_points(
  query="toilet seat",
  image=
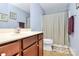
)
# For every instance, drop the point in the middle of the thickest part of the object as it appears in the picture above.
(48, 41)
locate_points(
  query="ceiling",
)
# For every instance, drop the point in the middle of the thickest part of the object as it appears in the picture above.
(47, 7)
(54, 7)
(23, 6)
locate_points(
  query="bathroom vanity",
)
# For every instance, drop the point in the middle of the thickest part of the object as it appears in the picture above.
(21, 44)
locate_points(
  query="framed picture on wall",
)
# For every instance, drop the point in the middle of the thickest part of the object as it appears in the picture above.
(77, 5)
(13, 15)
(3, 17)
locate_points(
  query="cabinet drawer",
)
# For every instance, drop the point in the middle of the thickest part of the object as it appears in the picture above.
(31, 51)
(28, 41)
(10, 49)
(40, 36)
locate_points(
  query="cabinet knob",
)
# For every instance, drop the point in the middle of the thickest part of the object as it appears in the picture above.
(3, 54)
(37, 45)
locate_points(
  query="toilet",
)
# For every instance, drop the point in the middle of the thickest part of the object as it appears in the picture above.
(48, 44)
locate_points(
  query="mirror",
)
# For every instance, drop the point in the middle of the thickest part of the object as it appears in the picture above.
(13, 15)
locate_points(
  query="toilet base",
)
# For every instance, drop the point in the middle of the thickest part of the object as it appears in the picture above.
(48, 47)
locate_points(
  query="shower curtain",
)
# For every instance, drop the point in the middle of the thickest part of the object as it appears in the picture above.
(55, 28)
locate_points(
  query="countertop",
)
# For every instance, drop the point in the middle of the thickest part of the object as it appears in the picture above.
(7, 37)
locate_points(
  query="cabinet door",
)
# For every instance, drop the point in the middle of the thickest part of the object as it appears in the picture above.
(31, 51)
(41, 47)
(10, 49)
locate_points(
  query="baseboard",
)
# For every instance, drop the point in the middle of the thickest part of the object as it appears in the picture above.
(72, 51)
(65, 46)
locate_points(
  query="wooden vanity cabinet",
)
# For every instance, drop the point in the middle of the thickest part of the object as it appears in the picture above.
(35, 44)
(29, 46)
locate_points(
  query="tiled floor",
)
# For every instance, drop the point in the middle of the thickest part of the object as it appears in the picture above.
(57, 51)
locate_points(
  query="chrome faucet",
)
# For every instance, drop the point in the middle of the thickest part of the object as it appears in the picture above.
(17, 30)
